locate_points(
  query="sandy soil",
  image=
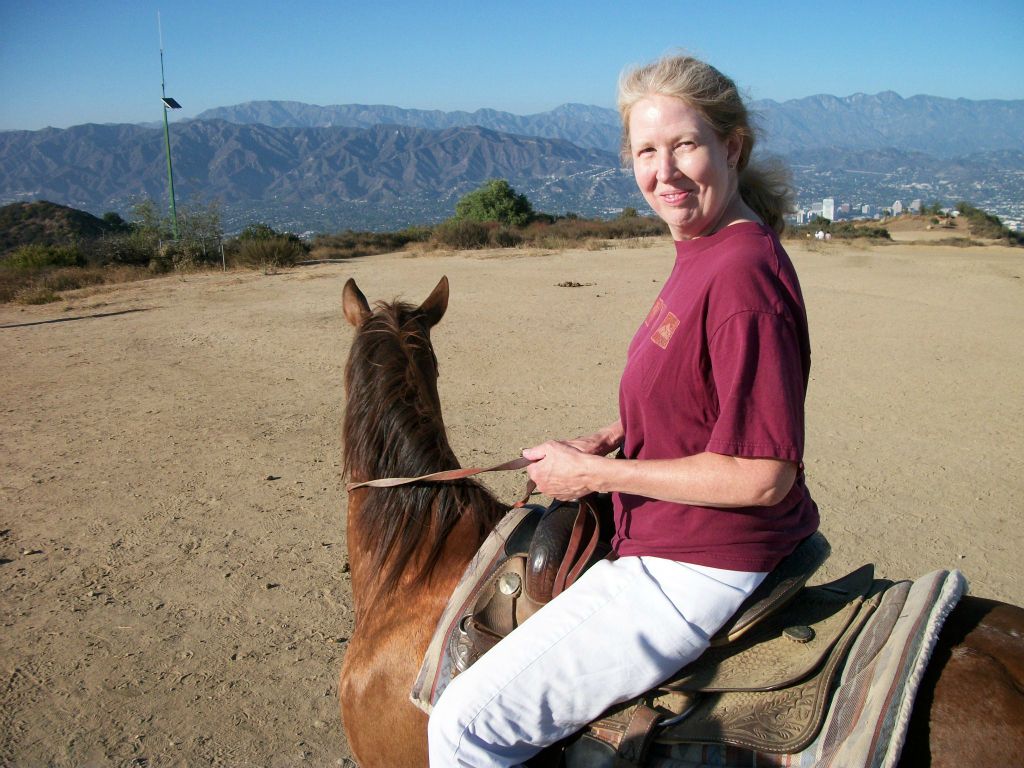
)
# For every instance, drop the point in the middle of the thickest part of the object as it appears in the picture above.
(175, 584)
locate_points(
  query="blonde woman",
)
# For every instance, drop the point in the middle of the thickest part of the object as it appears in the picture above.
(708, 489)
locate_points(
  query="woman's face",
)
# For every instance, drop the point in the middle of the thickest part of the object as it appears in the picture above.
(681, 165)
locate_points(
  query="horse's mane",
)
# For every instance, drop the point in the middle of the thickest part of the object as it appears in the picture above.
(393, 428)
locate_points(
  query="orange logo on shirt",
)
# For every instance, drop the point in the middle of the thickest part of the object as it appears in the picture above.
(655, 312)
(663, 335)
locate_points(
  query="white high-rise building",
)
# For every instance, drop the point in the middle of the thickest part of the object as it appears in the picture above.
(897, 208)
(828, 208)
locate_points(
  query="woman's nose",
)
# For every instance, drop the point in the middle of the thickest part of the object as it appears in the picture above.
(667, 168)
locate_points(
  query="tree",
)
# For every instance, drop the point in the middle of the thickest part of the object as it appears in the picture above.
(819, 222)
(495, 201)
(114, 221)
(199, 230)
(258, 231)
(146, 219)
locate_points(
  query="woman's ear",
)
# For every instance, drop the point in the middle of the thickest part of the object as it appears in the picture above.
(734, 148)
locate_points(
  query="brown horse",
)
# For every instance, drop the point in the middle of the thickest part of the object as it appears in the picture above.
(409, 545)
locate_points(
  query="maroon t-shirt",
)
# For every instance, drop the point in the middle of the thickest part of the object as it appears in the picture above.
(720, 364)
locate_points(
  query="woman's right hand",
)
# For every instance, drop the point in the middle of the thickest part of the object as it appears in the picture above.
(600, 443)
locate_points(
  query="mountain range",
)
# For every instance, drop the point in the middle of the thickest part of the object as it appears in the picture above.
(929, 124)
(307, 167)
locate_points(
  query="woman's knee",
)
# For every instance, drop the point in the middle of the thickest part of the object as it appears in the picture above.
(447, 722)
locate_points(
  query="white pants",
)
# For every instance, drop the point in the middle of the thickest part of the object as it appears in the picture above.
(624, 627)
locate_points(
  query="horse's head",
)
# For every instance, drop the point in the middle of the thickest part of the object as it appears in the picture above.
(392, 346)
(394, 428)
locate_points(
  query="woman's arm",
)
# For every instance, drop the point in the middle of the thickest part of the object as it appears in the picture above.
(706, 479)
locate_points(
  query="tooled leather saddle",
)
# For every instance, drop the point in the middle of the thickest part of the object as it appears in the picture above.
(775, 657)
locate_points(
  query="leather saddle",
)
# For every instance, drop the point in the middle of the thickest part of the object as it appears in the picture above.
(774, 652)
(546, 552)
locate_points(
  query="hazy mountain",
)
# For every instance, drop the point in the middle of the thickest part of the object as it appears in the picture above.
(938, 126)
(376, 176)
(302, 166)
(586, 126)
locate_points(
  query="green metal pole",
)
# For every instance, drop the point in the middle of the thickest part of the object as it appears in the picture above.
(170, 173)
(167, 131)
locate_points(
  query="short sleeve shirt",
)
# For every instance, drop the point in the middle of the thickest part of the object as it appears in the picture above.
(720, 364)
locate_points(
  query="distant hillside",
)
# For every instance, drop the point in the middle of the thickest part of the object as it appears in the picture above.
(304, 167)
(936, 126)
(382, 176)
(585, 126)
(929, 124)
(46, 223)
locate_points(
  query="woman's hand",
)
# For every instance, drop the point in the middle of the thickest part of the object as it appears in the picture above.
(601, 443)
(564, 469)
(560, 469)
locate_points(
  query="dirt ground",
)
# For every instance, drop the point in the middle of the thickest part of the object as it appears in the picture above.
(175, 586)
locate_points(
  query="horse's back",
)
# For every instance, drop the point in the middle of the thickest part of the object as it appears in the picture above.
(970, 706)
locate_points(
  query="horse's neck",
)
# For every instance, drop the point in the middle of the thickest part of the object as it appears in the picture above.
(459, 548)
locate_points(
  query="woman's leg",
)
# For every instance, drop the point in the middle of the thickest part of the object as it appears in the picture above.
(620, 630)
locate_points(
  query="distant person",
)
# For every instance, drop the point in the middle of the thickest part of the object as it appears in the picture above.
(709, 491)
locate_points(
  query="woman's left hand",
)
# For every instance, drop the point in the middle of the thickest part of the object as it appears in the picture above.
(561, 470)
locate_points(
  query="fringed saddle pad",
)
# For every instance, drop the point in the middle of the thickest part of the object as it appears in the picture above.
(872, 701)
(437, 669)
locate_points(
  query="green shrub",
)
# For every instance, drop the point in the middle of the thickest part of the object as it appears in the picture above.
(982, 224)
(566, 231)
(495, 201)
(41, 256)
(462, 234)
(270, 254)
(350, 244)
(36, 294)
(41, 286)
(841, 230)
(132, 247)
(506, 237)
(258, 231)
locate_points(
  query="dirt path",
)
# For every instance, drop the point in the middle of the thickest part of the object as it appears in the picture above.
(172, 515)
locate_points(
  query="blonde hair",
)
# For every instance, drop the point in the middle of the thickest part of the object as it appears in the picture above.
(764, 187)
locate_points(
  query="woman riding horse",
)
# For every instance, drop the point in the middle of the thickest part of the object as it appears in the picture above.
(710, 495)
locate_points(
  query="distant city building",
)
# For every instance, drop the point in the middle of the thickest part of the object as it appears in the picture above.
(867, 210)
(828, 208)
(844, 209)
(915, 206)
(897, 208)
(801, 217)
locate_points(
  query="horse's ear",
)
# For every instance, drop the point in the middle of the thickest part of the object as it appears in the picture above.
(437, 302)
(356, 307)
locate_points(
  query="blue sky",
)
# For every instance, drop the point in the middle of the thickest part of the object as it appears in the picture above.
(65, 63)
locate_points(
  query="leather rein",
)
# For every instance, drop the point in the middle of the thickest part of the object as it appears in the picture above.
(450, 474)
